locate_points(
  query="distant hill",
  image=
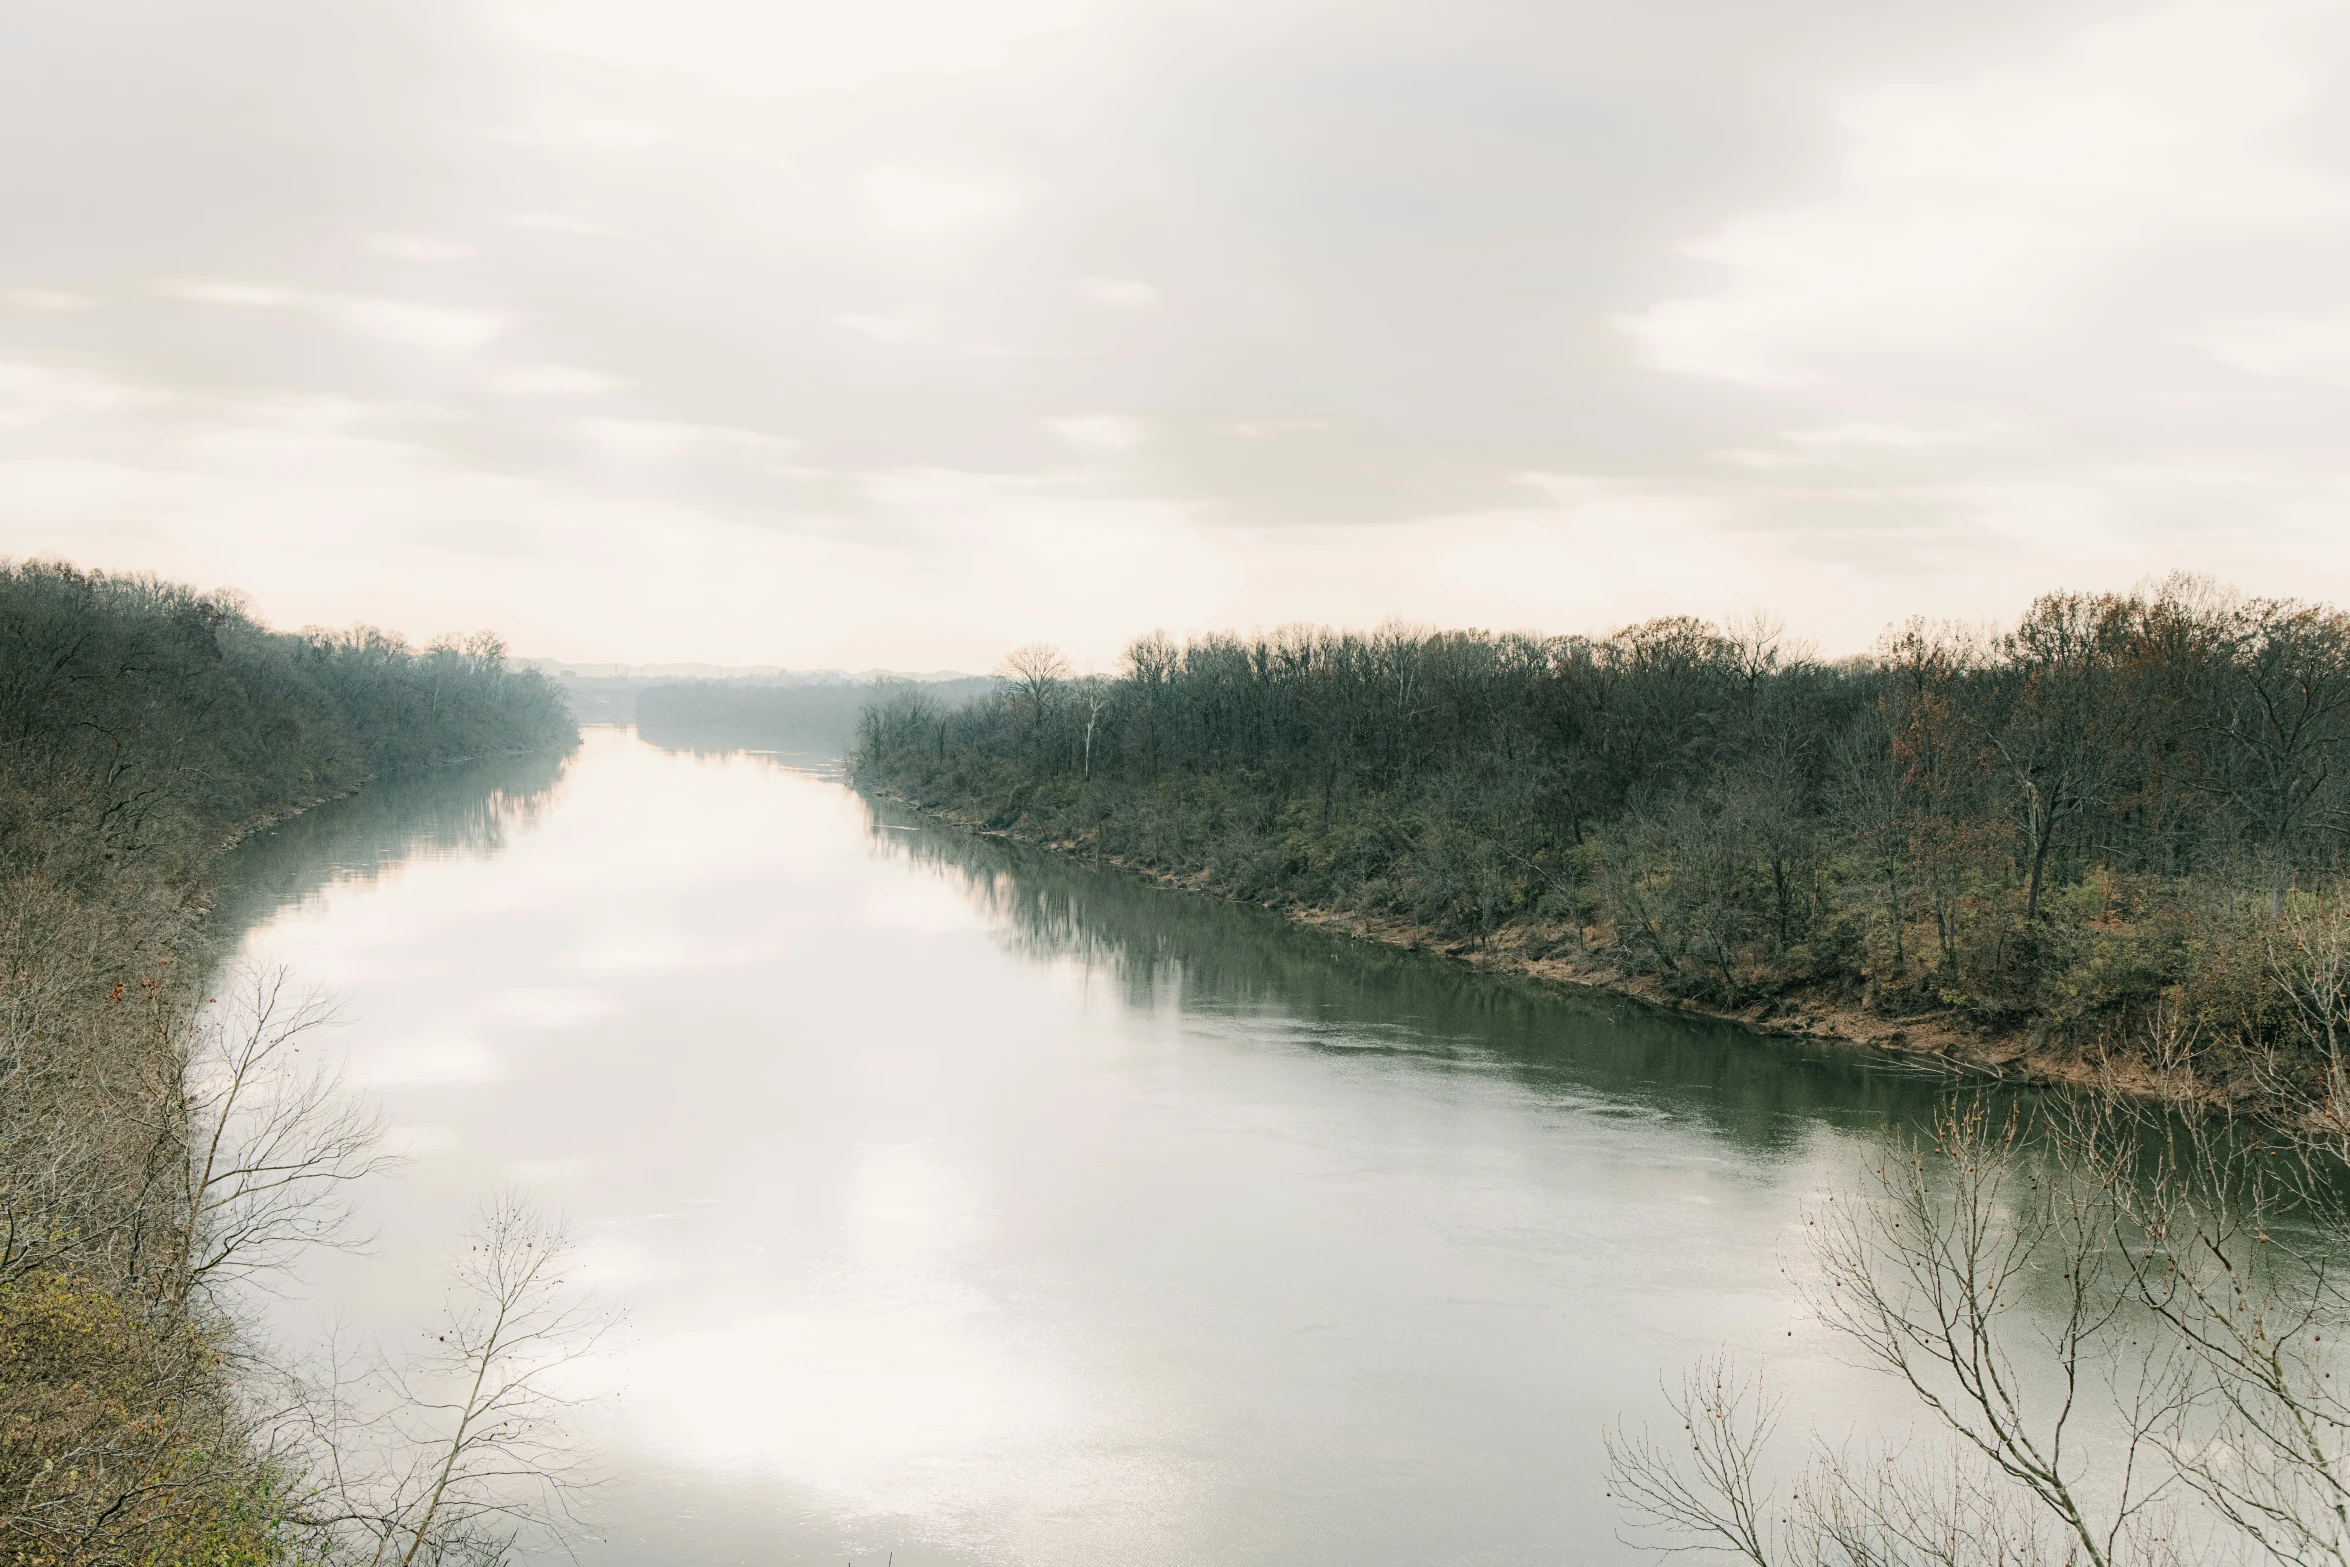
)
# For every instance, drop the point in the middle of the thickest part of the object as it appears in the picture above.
(773, 674)
(610, 693)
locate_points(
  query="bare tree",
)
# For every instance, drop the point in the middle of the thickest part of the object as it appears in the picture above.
(1715, 1494)
(1870, 780)
(1093, 699)
(2232, 1245)
(2309, 969)
(1033, 677)
(1714, 1491)
(1756, 644)
(2065, 720)
(1937, 1274)
(2281, 728)
(459, 1453)
(1151, 666)
(1985, 1278)
(275, 1140)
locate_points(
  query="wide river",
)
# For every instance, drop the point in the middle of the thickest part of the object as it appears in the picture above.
(969, 1206)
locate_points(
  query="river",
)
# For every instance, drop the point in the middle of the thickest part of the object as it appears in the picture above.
(968, 1206)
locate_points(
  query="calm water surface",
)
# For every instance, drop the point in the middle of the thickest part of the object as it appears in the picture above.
(979, 1208)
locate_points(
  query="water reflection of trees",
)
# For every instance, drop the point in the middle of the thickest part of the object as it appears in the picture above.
(1159, 948)
(717, 741)
(469, 809)
(712, 748)
(2093, 1300)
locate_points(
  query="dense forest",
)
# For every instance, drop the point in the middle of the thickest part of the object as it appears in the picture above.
(2101, 831)
(143, 727)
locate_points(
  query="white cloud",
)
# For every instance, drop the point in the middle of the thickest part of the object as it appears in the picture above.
(1101, 432)
(1865, 433)
(922, 204)
(77, 501)
(560, 223)
(45, 301)
(443, 327)
(555, 381)
(616, 133)
(1274, 429)
(2314, 347)
(778, 50)
(425, 1063)
(1980, 207)
(1864, 441)
(251, 296)
(657, 438)
(906, 324)
(546, 1172)
(564, 1008)
(1375, 325)
(424, 1140)
(412, 323)
(417, 247)
(1123, 292)
(32, 394)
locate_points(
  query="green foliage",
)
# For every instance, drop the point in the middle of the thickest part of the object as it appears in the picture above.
(116, 1442)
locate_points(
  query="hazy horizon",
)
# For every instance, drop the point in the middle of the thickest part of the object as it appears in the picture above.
(765, 335)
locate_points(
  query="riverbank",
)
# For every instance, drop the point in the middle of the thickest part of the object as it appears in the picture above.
(149, 727)
(1945, 1042)
(126, 1425)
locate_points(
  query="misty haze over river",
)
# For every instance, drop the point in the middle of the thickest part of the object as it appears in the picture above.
(979, 1207)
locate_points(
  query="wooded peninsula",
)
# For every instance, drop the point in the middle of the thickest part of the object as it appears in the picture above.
(2106, 841)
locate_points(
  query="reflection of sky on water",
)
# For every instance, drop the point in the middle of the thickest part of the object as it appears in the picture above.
(984, 1209)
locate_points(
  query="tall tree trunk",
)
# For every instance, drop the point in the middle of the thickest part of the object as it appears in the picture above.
(1893, 910)
(2047, 836)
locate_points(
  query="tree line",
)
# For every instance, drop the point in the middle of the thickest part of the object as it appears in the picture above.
(141, 717)
(160, 1133)
(2116, 806)
(2115, 827)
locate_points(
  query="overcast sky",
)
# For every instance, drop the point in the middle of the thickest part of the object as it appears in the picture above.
(903, 331)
